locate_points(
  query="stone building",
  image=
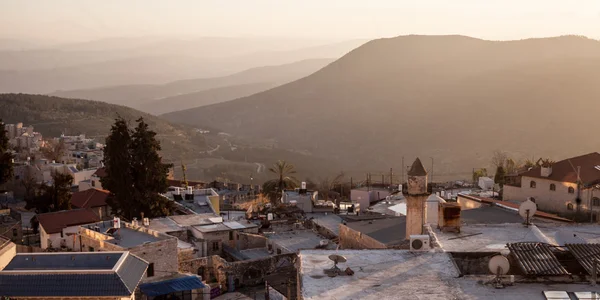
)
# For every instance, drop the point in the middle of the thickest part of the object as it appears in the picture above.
(376, 233)
(416, 198)
(159, 250)
(556, 188)
(57, 228)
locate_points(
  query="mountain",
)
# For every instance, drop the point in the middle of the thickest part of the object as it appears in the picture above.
(184, 94)
(206, 155)
(451, 99)
(49, 70)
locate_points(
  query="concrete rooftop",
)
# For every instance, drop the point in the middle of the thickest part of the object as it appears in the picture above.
(330, 221)
(400, 274)
(298, 239)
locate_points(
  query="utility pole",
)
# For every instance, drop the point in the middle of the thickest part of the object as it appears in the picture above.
(391, 178)
(403, 170)
(431, 169)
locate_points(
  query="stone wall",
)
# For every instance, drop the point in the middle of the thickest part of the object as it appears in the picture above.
(251, 241)
(279, 270)
(185, 254)
(352, 239)
(310, 224)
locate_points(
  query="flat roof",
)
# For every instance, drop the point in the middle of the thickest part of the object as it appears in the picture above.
(164, 225)
(298, 239)
(211, 227)
(387, 274)
(75, 261)
(255, 253)
(389, 231)
(126, 237)
(189, 220)
(330, 221)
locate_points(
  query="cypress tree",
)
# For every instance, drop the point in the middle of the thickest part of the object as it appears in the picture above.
(148, 172)
(6, 157)
(117, 160)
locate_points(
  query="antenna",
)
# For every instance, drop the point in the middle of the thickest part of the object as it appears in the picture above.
(498, 265)
(335, 271)
(527, 210)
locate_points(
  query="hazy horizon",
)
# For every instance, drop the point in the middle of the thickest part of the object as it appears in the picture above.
(64, 21)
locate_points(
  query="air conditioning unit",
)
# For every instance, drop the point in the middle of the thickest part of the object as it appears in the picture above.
(419, 243)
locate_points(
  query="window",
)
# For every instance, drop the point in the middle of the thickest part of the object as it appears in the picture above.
(553, 187)
(15, 233)
(215, 246)
(61, 234)
(150, 271)
(532, 184)
(93, 183)
(571, 190)
(570, 206)
(231, 235)
(270, 247)
(91, 249)
(278, 251)
(595, 201)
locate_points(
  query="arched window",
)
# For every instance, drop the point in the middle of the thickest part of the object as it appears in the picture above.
(553, 187)
(571, 190)
(595, 201)
(569, 206)
(532, 184)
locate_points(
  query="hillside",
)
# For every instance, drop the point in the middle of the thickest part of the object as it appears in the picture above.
(223, 88)
(207, 156)
(453, 98)
(50, 70)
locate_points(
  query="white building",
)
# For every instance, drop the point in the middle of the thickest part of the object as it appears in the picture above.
(57, 228)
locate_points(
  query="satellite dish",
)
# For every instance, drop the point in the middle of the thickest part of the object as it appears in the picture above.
(335, 271)
(499, 265)
(337, 258)
(527, 210)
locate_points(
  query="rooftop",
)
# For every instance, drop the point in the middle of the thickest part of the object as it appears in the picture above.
(97, 274)
(198, 219)
(389, 231)
(255, 253)
(55, 222)
(127, 236)
(330, 221)
(225, 226)
(386, 274)
(298, 239)
(566, 170)
(90, 198)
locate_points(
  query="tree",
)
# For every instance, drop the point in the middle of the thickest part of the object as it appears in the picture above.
(479, 173)
(53, 150)
(499, 177)
(273, 189)
(499, 158)
(29, 183)
(6, 157)
(135, 174)
(117, 160)
(149, 173)
(183, 169)
(327, 184)
(53, 196)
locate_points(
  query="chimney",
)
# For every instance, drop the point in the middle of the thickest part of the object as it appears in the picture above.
(416, 198)
(546, 171)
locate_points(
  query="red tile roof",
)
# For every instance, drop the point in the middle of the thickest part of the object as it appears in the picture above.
(56, 221)
(101, 172)
(89, 198)
(566, 170)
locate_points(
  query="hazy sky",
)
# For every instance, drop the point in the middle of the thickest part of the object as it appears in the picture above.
(336, 19)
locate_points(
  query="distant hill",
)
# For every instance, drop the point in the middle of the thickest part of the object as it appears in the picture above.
(204, 91)
(453, 98)
(50, 70)
(206, 156)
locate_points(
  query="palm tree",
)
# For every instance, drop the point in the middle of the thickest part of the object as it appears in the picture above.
(273, 188)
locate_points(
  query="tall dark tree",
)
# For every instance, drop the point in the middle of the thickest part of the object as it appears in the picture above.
(117, 165)
(6, 157)
(149, 173)
(499, 177)
(53, 196)
(135, 174)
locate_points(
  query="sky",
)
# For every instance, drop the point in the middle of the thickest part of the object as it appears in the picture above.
(80, 20)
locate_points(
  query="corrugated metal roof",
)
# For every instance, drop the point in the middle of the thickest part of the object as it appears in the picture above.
(166, 287)
(536, 259)
(585, 254)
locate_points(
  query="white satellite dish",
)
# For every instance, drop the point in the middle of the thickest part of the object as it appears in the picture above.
(335, 271)
(527, 210)
(499, 265)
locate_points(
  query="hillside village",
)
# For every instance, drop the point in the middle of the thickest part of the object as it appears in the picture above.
(227, 240)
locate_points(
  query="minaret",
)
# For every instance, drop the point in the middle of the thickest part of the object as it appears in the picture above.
(415, 201)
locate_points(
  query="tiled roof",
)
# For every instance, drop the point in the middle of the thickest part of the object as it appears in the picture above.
(417, 169)
(78, 283)
(101, 172)
(536, 259)
(586, 255)
(566, 170)
(54, 222)
(89, 198)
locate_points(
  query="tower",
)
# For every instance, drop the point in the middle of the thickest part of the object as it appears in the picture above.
(415, 200)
